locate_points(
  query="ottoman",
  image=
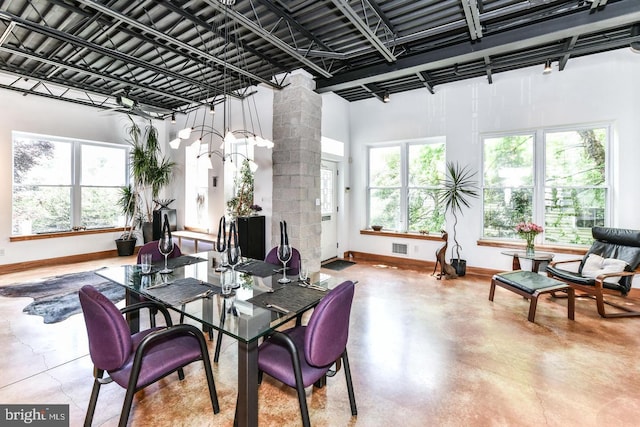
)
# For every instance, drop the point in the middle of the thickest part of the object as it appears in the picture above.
(531, 285)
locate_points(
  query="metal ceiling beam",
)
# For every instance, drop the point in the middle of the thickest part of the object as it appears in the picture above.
(109, 77)
(537, 34)
(364, 29)
(132, 22)
(568, 47)
(262, 33)
(57, 34)
(472, 16)
(425, 79)
(487, 63)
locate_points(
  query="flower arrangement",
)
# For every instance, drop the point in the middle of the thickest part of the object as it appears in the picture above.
(529, 231)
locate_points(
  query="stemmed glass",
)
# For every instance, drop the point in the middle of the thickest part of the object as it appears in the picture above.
(165, 246)
(284, 255)
(234, 256)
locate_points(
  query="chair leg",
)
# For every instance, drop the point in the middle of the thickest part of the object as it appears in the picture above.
(209, 374)
(93, 400)
(216, 353)
(347, 374)
(126, 405)
(180, 374)
(302, 399)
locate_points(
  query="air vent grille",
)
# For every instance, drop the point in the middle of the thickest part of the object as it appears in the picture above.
(399, 248)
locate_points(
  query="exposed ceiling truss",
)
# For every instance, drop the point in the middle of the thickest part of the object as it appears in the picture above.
(175, 55)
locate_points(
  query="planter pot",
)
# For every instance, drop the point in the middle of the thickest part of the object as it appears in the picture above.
(125, 247)
(460, 265)
(147, 231)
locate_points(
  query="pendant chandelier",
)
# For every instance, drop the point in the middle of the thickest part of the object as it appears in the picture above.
(222, 142)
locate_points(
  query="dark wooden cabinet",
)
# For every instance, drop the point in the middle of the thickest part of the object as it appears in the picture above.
(251, 236)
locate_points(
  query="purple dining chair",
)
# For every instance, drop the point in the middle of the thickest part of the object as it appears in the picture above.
(152, 248)
(138, 360)
(293, 265)
(303, 355)
(156, 256)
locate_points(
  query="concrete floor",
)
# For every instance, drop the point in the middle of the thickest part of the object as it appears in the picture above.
(422, 352)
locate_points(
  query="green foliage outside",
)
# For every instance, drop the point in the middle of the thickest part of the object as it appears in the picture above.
(574, 193)
(425, 170)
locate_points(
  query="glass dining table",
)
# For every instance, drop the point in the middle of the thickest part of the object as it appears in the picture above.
(256, 305)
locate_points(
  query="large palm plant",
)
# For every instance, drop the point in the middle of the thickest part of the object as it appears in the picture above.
(458, 188)
(150, 172)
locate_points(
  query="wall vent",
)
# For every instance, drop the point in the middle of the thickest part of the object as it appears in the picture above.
(399, 248)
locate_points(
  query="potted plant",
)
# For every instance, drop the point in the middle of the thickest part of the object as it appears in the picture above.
(458, 188)
(150, 172)
(126, 243)
(241, 204)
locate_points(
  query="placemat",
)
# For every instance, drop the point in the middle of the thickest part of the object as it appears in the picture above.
(290, 297)
(176, 262)
(181, 291)
(257, 268)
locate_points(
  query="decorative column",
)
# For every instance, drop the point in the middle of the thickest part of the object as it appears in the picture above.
(296, 154)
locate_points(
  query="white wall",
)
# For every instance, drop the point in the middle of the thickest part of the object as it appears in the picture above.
(598, 88)
(57, 118)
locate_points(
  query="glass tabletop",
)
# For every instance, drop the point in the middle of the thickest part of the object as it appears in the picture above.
(536, 256)
(255, 306)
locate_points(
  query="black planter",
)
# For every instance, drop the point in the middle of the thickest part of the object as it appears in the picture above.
(147, 231)
(126, 247)
(460, 265)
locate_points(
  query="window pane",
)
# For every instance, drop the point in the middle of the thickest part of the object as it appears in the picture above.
(570, 214)
(41, 209)
(384, 167)
(504, 208)
(426, 164)
(103, 166)
(575, 158)
(326, 199)
(41, 162)
(424, 212)
(385, 208)
(100, 207)
(508, 161)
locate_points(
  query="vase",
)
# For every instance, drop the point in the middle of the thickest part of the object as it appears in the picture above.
(530, 250)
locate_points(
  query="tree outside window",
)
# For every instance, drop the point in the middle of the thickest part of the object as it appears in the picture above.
(566, 189)
(403, 182)
(59, 184)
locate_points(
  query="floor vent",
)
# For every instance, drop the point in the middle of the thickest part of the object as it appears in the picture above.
(399, 248)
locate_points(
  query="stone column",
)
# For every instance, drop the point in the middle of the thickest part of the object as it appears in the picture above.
(296, 166)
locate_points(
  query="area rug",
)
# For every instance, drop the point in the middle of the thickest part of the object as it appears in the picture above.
(338, 264)
(56, 298)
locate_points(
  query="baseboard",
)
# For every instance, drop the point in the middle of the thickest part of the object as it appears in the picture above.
(70, 259)
(410, 264)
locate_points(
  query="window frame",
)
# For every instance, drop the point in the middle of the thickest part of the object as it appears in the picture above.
(404, 187)
(539, 180)
(75, 186)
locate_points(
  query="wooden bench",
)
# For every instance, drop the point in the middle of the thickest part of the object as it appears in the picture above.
(195, 236)
(531, 285)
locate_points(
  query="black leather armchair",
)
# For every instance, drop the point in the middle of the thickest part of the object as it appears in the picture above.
(609, 244)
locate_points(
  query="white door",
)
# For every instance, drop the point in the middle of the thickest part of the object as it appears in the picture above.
(329, 209)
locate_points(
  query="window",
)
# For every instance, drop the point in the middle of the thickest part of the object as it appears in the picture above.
(402, 186)
(60, 184)
(553, 177)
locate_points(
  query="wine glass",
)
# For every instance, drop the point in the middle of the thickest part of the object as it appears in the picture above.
(234, 257)
(165, 246)
(284, 255)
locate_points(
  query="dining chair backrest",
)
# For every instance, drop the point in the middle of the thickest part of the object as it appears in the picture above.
(152, 248)
(293, 264)
(110, 343)
(327, 332)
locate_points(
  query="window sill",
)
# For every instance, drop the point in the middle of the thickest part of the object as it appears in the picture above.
(63, 234)
(407, 235)
(561, 249)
